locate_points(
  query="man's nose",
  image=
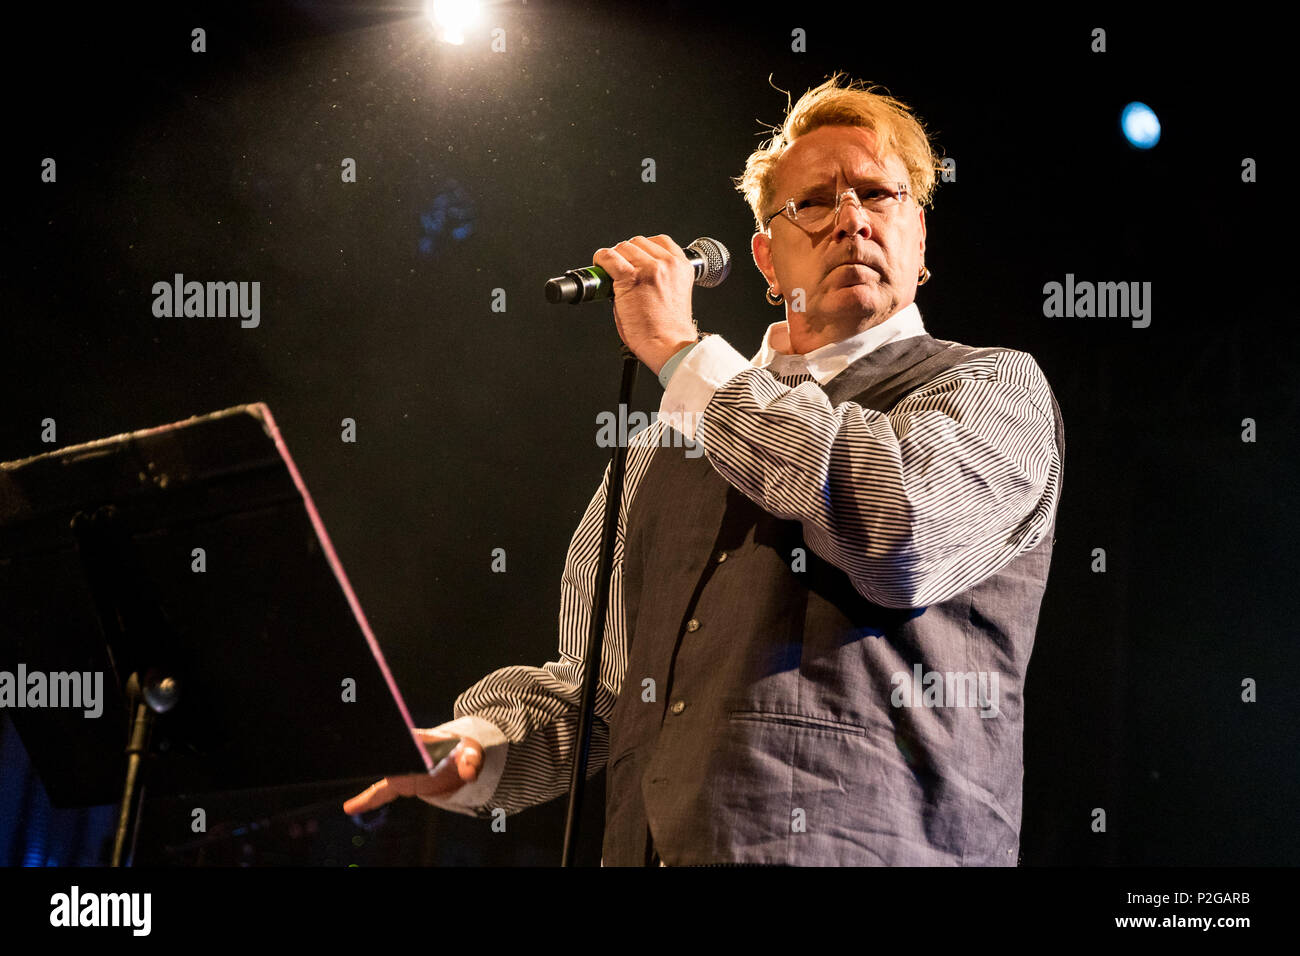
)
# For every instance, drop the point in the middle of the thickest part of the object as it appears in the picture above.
(852, 219)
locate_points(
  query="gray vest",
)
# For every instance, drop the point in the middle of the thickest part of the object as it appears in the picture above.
(771, 738)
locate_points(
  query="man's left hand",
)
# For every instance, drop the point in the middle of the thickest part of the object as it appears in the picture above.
(652, 297)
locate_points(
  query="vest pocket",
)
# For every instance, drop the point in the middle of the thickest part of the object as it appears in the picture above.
(805, 721)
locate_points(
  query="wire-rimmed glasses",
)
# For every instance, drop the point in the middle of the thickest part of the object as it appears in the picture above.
(817, 209)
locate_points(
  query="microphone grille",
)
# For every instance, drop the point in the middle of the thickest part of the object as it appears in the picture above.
(717, 262)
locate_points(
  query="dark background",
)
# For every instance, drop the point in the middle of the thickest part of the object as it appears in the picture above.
(476, 429)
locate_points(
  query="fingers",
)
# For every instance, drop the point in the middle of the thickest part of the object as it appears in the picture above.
(458, 768)
(372, 798)
(625, 259)
(453, 771)
(642, 251)
(614, 263)
(470, 761)
(666, 242)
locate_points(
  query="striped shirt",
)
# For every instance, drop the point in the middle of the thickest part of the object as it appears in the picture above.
(915, 505)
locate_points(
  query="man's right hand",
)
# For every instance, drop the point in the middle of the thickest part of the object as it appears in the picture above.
(458, 768)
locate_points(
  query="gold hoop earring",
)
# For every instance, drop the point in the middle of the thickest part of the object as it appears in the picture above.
(924, 276)
(771, 301)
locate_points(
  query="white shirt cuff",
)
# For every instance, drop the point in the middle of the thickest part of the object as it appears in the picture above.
(706, 368)
(479, 791)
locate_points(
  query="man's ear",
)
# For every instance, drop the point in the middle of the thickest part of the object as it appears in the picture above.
(761, 245)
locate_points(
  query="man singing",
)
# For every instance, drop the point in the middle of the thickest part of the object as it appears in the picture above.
(818, 630)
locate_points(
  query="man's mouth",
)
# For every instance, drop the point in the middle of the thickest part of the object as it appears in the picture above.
(854, 265)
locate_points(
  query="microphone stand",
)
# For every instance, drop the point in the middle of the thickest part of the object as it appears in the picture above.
(596, 632)
(712, 263)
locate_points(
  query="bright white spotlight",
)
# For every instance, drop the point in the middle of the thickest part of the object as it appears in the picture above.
(1140, 125)
(452, 18)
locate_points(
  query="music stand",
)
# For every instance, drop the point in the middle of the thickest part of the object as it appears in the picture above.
(233, 660)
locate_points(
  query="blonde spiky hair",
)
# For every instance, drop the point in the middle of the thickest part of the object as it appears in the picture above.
(897, 131)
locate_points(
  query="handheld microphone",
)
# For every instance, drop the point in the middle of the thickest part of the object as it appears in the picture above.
(710, 258)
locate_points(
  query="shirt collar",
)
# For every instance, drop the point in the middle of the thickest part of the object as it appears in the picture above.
(826, 362)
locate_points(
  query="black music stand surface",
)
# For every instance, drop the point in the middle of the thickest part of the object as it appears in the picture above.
(96, 575)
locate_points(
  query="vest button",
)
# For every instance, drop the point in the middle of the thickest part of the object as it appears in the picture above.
(678, 706)
(722, 556)
(692, 625)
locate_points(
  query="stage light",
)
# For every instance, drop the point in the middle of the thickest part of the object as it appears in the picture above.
(1140, 125)
(452, 18)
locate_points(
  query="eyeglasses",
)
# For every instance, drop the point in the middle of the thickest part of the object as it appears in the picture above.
(819, 208)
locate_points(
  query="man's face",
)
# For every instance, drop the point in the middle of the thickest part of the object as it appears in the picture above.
(892, 245)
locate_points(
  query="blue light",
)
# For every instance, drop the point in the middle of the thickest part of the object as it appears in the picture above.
(1140, 125)
(450, 213)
